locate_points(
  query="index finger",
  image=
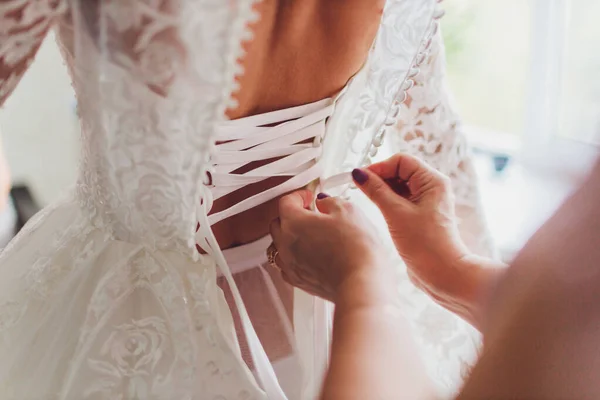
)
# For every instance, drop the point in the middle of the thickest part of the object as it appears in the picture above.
(399, 166)
(296, 202)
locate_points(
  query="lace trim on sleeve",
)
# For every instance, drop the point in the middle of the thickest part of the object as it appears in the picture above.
(431, 129)
(23, 26)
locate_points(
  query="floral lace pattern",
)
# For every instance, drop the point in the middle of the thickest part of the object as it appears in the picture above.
(23, 26)
(152, 353)
(430, 129)
(134, 350)
(152, 327)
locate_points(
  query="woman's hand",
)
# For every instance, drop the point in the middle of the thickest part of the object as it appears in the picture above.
(329, 251)
(418, 205)
(335, 253)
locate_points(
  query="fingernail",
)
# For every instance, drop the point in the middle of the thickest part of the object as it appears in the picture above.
(322, 196)
(360, 176)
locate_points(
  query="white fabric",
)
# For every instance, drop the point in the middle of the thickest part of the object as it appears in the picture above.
(103, 295)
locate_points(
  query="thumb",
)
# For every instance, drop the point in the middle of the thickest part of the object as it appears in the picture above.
(328, 205)
(294, 203)
(377, 190)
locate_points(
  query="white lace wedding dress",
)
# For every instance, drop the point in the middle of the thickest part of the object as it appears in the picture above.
(104, 295)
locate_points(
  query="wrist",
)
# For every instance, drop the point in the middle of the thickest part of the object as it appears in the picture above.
(370, 286)
(478, 277)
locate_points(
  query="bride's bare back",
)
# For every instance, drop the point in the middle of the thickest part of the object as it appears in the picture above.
(302, 51)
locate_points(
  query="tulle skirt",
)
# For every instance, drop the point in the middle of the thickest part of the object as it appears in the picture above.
(85, 316)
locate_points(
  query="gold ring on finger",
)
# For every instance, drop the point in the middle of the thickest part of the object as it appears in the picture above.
(272, 254)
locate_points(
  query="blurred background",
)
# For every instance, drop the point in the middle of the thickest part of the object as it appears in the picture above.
(527, 83)
(525, 75)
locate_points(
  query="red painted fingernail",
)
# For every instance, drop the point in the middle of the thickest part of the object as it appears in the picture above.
(322, 196)
(360, 176)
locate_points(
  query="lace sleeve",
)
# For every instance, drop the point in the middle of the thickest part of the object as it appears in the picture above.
(23, 26)
(431, 129)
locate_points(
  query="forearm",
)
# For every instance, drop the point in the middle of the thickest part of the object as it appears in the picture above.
(373, 355)
(480, 277)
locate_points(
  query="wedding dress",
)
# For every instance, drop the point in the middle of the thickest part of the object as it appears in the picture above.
(120, 291)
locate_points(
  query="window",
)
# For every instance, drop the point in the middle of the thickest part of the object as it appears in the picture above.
(526, 77)
(579, 106)
(488, 63)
